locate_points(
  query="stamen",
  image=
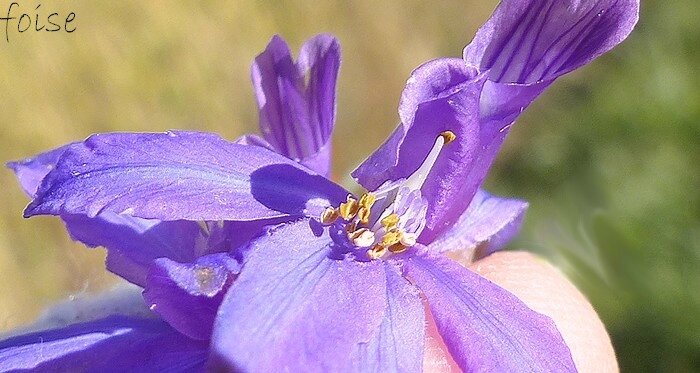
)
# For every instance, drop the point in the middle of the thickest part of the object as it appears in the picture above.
(449, 136)
(376, 252)
(363, 215)
(367, 200)
(348, 209)
(390, 221)
(416, 180)
(408, 239)
(329, 216)
(391, 238)
(362, 237)
(397, 248)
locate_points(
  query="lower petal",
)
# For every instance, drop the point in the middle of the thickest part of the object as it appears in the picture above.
(297, 305)
(116, 343)
(134, 243)
(486, 328)
(398, 345)
(187, 295)
(488, 224)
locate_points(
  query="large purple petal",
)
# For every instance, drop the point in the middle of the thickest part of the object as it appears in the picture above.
(187, 295)
(525, 42)
(298, 304)
(486, 328)
(114, 344)
(398, 345)
(180, 176)
(31, 171)
(489, 223)
(440, 95)
(296, 116)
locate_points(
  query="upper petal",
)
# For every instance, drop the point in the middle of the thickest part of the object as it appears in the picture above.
(398, 345)
(180, 175)
(116, 343)
(188, 295)
(486, 328)
(297, 305)
(297, 113)
(488, 224)
(531, 41)
(441, 95)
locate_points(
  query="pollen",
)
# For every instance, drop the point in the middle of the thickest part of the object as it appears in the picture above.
(390, 221)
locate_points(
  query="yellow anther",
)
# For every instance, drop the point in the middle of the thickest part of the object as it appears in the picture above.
(376, 252)
(397, 248)
(391, 238)
(329, 216)
(390, 221)
(348, 209)
(363, 215)
(367, 200)
(350, 228)
(448, 136)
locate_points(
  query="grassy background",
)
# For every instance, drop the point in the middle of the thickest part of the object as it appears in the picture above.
(608, 156)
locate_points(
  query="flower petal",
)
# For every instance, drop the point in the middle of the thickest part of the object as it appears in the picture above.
(31, 171)
(187, 295)
(441, 95)
(134, 243)
(116, 343)
(532, 41)
(489, 221)
(180, 176)
(398, 345)
(298, 305)
(297, 118)
(486, 328)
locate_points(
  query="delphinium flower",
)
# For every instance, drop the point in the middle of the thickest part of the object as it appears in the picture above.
(253, 260)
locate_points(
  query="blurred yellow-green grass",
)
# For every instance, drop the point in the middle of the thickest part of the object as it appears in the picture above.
(608, 157)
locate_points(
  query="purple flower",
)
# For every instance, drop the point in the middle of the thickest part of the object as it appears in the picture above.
(253, 260)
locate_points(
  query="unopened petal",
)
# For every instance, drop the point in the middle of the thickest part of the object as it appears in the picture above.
(526, 42)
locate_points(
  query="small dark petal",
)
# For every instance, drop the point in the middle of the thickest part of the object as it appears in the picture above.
(297, 100)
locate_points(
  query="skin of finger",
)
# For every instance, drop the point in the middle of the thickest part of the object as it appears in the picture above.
(546, 290)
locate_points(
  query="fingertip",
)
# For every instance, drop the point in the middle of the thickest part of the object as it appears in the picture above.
(546, 290)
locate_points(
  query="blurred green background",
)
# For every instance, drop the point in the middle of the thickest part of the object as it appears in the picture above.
(608, 157)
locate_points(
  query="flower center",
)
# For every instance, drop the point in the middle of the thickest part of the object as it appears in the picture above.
(389, 219)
